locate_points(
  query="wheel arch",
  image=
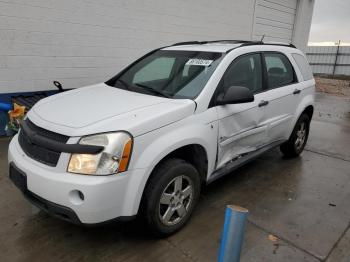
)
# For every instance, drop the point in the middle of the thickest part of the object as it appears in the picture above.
(195, 154)
(305, 106)
(194, 139)
(309, 111)
(192, 151)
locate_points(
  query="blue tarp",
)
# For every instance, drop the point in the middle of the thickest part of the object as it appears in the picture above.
(3, 123)
(6, 105)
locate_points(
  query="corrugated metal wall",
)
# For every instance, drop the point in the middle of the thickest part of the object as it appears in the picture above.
(324, 59)
(275, 19)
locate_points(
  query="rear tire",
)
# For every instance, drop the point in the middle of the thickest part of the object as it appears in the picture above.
(170, 196)
(297, 140)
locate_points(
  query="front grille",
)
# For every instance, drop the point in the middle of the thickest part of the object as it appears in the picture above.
(39, 153)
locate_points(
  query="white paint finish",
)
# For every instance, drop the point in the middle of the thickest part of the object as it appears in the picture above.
(280, 112)
(212, 47)
(159, 125)
(307, 98)
(200, 129)
(204, 97)
(102, 108)
(98, 191)
(105, 101)
(240, 129)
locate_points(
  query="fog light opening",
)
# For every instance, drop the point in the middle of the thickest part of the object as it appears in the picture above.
(76, 197)
(81, 195)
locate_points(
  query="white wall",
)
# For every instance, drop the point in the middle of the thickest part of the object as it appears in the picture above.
(81, 42)
(302, 23)
(275, 19)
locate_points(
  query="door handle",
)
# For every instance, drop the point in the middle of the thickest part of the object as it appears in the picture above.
(296, 91)
(263, 103)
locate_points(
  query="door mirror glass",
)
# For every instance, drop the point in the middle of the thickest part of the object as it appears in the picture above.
(235, 95)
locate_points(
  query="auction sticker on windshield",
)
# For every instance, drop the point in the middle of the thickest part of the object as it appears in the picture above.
(199, 62)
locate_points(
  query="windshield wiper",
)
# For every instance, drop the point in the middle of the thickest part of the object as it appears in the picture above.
(153, 90)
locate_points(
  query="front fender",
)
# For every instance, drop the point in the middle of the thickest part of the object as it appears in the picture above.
(151, 148)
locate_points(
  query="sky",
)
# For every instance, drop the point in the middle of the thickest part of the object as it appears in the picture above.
(330, 22)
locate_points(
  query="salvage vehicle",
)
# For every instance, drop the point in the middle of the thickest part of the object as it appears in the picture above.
(146, 141)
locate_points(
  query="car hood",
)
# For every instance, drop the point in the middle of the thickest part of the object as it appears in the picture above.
(101, 108)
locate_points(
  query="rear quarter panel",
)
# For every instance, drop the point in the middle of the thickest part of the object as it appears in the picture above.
(307, 98)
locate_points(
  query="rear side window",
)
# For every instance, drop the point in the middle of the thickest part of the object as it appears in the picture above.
(279, 70)
(304, 66)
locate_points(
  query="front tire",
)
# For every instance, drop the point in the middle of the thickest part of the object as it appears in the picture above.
(297, 140)
(170, 196)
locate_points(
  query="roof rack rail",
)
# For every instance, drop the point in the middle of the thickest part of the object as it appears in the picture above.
(189, 43)
(232, 41)
(267, 43)
(242, 42)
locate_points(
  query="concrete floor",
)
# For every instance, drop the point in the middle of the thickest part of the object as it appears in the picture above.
(304, 202)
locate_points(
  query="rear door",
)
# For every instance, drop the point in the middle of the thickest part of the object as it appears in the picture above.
(240, 128)
(281, 97)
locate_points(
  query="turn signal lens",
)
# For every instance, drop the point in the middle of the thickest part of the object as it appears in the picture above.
(123, 164)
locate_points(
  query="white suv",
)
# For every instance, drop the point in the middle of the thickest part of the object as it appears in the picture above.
(146, 141)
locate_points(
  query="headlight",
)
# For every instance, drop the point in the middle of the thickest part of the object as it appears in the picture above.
(113, 159)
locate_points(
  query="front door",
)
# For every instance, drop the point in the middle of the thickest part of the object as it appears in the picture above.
(240, 128)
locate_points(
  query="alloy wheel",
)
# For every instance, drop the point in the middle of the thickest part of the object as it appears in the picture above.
(301, 135)
(175, 200)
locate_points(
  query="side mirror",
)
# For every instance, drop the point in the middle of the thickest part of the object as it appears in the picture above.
(235, 95)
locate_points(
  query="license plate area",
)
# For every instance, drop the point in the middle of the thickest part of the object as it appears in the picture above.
(18, 177)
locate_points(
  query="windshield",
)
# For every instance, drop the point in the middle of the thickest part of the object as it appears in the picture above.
(173, 74)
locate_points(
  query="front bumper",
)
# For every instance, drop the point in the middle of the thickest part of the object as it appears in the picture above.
(106, 198)
(66, 213)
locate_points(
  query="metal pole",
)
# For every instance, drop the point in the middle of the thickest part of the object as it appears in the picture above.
(336, 58)
(233, 234)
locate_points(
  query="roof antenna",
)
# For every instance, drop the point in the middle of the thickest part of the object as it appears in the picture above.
(262, 38)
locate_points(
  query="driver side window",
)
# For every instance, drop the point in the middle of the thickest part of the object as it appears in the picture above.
(245, 71)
